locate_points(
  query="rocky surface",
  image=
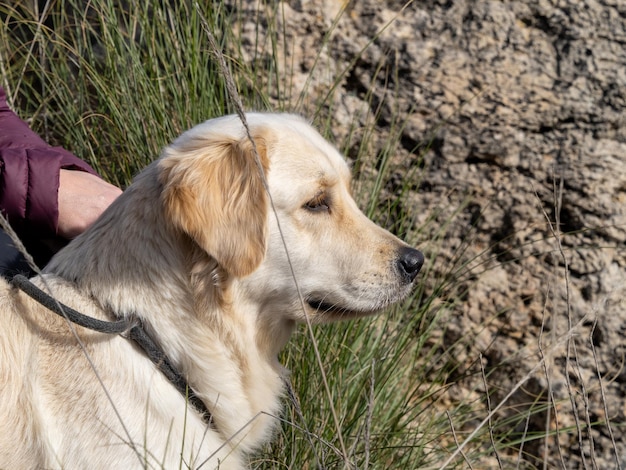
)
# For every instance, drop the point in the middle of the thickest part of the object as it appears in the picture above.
(514, 115)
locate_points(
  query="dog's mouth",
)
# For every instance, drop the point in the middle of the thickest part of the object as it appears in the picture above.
(322, 307)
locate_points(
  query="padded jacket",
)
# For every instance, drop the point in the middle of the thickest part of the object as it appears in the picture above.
(29, 177)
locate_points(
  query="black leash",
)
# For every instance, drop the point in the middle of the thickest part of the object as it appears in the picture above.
(135, 331)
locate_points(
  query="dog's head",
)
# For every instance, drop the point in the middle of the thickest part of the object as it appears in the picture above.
(214, 190)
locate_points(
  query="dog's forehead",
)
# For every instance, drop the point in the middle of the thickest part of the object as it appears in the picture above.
(302, 153)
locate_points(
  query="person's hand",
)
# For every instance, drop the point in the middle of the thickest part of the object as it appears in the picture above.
(82, 198)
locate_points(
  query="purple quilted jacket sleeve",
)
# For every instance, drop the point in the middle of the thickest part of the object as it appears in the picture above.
(29, 175)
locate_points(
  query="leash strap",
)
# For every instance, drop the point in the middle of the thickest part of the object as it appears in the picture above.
(136, 332)
(72, 315)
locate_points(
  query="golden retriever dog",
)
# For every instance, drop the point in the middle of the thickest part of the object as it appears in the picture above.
(205, 249)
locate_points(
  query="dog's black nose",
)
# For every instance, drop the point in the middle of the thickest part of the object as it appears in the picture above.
(410, 262)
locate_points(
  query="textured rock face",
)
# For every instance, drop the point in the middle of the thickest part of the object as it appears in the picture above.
(515, 113)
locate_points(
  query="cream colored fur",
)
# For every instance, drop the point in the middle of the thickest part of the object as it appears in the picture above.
(193, 248)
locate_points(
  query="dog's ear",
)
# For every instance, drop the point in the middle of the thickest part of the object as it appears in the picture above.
(213, 190)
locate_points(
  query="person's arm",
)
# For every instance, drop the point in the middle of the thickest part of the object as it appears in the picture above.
(43, 188)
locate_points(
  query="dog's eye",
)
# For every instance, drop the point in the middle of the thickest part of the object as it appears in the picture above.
(318, 204)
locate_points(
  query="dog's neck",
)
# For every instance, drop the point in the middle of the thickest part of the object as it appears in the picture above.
(132, 263)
